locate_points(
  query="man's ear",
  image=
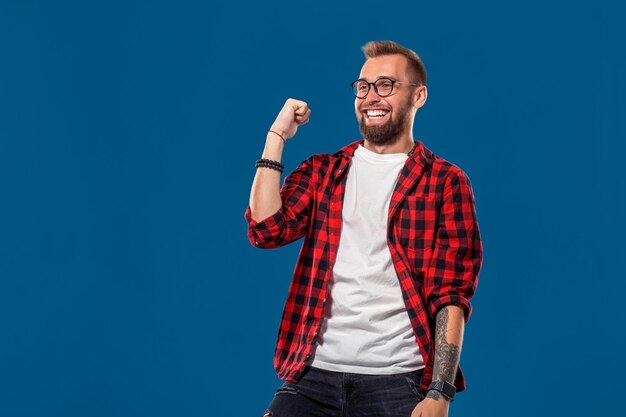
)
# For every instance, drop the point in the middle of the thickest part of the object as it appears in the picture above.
(419, 96)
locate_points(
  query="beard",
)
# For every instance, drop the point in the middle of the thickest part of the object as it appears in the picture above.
(391, 131)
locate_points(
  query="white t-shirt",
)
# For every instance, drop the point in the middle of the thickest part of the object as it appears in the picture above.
(366, 327)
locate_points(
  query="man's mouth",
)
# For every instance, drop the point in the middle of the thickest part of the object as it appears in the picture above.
(376, 115)
(373, 114)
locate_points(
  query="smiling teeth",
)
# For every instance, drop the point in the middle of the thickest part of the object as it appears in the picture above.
(376, 113)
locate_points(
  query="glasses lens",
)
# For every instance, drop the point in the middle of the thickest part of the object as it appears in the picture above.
(360, 88)
(384, 86)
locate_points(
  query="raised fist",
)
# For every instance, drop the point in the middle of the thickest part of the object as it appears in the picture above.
(293, 114)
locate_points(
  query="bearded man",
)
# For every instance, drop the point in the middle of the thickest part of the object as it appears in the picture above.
(374, 319)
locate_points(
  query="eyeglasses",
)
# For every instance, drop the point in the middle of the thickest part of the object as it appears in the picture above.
(382, 86)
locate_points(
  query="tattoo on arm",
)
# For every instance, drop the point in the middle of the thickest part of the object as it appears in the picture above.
(446, 354)
(435, 395)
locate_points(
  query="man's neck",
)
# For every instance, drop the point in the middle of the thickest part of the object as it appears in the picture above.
(403, 145)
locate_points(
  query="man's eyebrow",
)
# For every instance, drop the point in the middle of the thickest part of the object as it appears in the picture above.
(379, 77)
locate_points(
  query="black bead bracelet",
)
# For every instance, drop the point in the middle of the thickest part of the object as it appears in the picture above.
(268, 163)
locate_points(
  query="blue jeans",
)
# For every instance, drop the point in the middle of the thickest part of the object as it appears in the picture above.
(322, 393)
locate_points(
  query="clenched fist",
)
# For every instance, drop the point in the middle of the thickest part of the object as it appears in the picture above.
(293, 114)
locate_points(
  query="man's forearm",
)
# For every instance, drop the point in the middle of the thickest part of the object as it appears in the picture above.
(265, 194)
(450, 323)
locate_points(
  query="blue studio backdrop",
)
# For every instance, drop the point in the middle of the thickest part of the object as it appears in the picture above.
(128, 135)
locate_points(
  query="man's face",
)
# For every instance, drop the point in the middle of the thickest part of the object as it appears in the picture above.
(382, 120)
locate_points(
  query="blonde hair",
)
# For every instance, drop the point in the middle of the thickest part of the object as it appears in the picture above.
(374, 49)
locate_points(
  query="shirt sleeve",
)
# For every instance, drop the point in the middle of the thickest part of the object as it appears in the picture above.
(292, 220)
(452, 275)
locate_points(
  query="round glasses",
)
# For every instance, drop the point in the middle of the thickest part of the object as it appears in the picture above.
(382, 86)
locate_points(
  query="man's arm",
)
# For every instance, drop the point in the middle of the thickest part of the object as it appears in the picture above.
(449, 328)
(450, 283)
(278, 216)
(265, 194)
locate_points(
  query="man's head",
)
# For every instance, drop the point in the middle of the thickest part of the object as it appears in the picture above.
(385, 120)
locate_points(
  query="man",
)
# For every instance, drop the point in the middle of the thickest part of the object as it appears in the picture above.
(374, 320)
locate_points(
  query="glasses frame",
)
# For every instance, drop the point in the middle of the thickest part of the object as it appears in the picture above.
(370, 85)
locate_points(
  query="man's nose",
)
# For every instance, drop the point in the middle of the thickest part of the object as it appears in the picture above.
(371, 96)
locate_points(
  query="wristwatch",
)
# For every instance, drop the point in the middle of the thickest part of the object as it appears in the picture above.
(446, 389)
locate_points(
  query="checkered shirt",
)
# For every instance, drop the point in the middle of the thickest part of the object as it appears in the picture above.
(432, 234)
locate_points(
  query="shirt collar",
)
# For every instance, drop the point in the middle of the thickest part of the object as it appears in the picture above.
(420, 152)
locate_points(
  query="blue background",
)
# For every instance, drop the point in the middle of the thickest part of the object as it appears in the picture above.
(128, 135)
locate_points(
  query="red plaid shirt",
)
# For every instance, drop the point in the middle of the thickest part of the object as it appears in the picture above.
(432, 234)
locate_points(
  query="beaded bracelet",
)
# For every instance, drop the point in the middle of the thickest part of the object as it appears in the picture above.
(268, 163)
(265, 165)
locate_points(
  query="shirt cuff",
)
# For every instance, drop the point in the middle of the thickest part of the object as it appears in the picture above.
(455, 300)
(263, 233)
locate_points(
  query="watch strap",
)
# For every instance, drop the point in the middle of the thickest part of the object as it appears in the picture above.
(446, 389)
